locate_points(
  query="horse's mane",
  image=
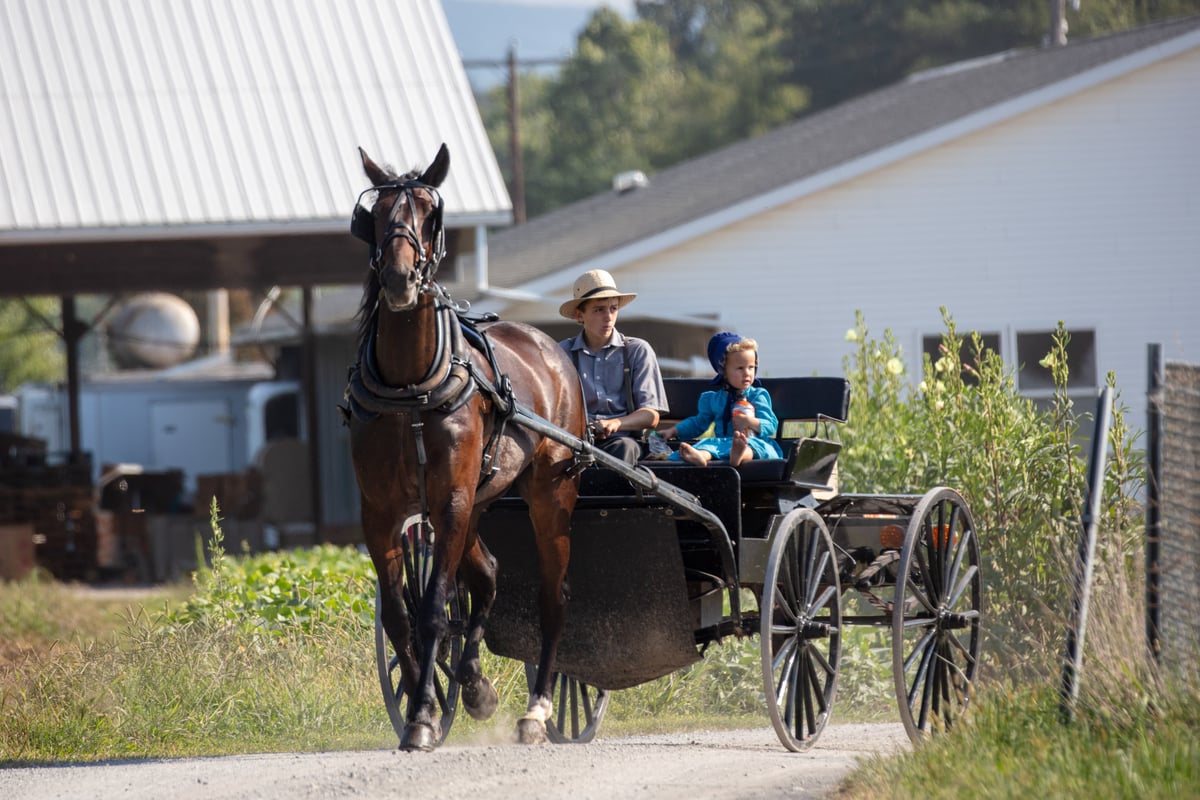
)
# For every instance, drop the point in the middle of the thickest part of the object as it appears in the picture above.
(371, 284)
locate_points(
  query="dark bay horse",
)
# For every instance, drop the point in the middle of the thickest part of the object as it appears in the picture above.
(430, 441)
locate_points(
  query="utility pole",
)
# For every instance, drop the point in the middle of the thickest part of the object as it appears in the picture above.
(511, 63)
(1058, 19)
(514, 139)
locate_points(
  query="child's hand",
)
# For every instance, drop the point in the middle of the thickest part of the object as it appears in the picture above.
(744, 423)
(668, 433)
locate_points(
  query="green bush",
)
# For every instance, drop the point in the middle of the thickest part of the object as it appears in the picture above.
(1020, 469)
(283, 592)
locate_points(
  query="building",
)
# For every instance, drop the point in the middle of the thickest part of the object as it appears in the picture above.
(213, 145)
(1015, 190)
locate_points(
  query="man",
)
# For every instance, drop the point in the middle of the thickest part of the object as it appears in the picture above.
(622, 384)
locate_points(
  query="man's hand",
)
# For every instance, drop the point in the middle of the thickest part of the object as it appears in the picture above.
(603, 428)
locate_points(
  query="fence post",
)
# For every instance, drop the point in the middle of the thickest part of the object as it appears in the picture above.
(1154, 469)
(1082, 583)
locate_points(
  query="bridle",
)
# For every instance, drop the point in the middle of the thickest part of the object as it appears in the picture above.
(362, 226)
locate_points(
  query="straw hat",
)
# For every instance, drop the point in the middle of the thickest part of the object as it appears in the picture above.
(593, 285)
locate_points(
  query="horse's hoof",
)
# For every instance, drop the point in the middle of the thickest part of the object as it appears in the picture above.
(418, 737)
(480, 699)
(531, 731)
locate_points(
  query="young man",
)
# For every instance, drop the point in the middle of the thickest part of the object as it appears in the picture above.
(621, 381)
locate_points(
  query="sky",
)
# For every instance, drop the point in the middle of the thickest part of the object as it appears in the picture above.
(484, 30)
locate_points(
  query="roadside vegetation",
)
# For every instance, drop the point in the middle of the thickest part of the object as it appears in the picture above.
(275, 652)
(1023, 471)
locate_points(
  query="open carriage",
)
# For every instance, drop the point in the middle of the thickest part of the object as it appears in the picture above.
(483, 510)
(668, 558)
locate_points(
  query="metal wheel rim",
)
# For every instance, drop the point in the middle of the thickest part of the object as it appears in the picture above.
(578, 708)
(799, 670)
(936, 635)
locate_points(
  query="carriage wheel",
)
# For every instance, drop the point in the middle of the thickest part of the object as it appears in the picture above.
(578, 708)
(418, 567)
(935, 618)
(801, 629)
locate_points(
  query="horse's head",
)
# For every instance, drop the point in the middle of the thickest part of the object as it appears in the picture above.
(403, 228)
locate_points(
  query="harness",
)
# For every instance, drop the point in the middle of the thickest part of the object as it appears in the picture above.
(453, 378)
(451, 381)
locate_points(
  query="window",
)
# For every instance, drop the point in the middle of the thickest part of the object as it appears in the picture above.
(931, 346)
(1033, 346)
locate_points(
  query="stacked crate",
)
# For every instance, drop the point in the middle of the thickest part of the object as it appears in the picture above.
(45, 512)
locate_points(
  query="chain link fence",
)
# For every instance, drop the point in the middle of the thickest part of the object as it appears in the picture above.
(1177, 571)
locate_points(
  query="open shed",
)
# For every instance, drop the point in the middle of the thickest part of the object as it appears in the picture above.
(214, 145)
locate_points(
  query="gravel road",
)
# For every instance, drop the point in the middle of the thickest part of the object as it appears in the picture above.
(747, 764)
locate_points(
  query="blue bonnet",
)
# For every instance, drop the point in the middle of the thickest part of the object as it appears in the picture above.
(717, 346)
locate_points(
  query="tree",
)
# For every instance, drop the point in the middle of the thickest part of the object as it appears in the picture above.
(609, 111)
(29, 348)
(689, 76)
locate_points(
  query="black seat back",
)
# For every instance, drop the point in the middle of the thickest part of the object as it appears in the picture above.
(798, 402)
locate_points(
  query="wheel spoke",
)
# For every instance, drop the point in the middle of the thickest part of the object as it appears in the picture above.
(920, 597)
(830, 593)
(961, 549)
(962, 587)
(825, 666)
(919, 648)
(926, 573)
(922, 681)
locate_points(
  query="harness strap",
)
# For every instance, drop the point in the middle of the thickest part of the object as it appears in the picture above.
(445, 387)
(449, 383)
(419, 436)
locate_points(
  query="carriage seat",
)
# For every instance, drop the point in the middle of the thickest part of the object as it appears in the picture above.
(803, 406)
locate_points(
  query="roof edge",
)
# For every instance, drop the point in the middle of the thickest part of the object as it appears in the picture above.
(869, 162)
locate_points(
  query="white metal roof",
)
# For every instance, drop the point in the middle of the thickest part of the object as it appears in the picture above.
(136, 114)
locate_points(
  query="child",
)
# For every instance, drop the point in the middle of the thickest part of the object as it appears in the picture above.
(738, 437)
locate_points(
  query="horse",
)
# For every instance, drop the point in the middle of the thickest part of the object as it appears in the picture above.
(431, 438)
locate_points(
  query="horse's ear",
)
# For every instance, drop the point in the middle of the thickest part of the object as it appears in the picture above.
(436, 172)
(375, 173)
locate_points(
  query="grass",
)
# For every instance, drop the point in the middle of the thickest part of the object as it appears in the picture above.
(275, 652)
(272, 653)
(1017, 745)
(1131, 731)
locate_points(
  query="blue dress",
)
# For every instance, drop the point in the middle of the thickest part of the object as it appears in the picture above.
(711, 411)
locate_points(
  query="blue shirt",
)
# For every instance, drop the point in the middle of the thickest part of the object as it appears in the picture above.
(602, 374)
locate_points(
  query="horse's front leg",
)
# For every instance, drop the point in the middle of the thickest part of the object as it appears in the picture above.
(389, 557)
(421, 730)
(551, 525)
(396, 623)
(479, 573)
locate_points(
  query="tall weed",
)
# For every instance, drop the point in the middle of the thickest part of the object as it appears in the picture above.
(1021, 470)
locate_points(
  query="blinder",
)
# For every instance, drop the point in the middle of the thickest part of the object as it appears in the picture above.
(362, 225)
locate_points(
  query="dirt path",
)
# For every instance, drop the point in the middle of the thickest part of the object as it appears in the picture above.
(748, 765)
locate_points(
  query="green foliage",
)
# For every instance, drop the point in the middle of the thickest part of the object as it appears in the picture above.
(1021, 471)
(281, 593)
(30, 350)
